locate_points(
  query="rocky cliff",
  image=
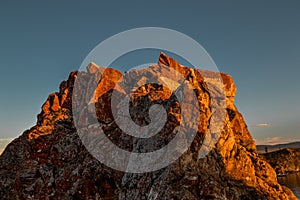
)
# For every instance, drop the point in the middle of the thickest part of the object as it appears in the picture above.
(49, 161)
(284, 160)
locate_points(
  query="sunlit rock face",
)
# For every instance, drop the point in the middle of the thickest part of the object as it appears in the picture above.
(49, 161)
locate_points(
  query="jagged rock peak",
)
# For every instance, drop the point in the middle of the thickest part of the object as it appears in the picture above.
(49, 161)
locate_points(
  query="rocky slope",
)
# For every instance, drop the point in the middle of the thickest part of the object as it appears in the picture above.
(49, 161)
(284, 161)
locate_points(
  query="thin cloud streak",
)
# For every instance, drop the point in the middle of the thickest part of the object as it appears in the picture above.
(6, 139)
(263, 125)
(274, 141)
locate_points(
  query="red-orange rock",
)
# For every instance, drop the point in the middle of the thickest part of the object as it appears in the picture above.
(54, 102)
(49, 161)
(108, 81)
(168, 61)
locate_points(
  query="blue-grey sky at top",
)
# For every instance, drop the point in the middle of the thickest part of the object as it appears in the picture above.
(257, 42)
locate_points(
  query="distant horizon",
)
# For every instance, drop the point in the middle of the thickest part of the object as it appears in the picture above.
(274, 144)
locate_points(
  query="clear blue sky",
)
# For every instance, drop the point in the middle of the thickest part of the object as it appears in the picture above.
(257, 42)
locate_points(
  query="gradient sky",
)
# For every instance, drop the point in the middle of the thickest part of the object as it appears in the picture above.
(257, 42)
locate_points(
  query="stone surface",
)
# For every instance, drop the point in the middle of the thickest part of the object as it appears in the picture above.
(49, 161)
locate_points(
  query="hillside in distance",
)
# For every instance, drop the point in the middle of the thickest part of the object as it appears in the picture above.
(50, 161)
(285, 160)
(276, 147)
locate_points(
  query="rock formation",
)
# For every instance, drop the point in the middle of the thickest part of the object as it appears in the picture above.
(49, 161)
(284, 160)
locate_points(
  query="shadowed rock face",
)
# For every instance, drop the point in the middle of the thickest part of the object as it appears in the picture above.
(49, 161)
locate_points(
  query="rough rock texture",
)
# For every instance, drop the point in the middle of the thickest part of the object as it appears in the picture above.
(49, 161)
(284, 161)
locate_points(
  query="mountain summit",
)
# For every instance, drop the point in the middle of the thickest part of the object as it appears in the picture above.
(50, 161)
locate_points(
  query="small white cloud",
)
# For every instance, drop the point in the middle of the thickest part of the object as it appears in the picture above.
(263, 125)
